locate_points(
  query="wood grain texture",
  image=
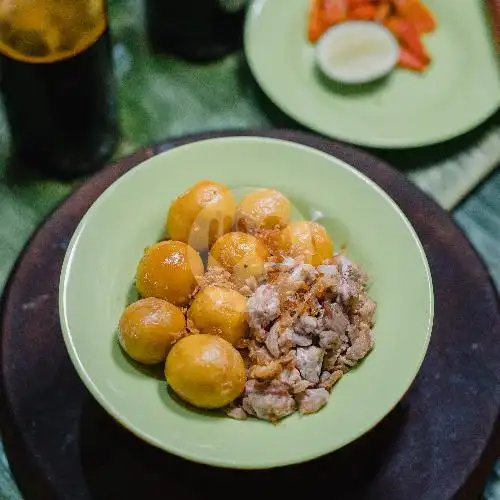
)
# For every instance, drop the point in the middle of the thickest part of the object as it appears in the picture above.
(438, 443)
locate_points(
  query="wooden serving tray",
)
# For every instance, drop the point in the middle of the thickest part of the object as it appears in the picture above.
(439, 442)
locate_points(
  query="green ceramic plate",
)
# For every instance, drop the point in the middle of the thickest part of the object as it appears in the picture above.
(458, 92)
(97, 282)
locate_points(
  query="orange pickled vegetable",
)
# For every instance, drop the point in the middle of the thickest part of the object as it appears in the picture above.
(353, 4)
(323, 14)
(409, 61)
(316, 25)
(383, 12)
(408, 37)
(335, 11)
(417, 13)
(365, 12)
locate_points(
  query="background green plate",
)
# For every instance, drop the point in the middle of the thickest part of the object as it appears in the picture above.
(459, 91)
(97, 282)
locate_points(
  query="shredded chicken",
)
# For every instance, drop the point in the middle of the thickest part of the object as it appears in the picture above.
(360, 347)
(290, 376)
(301, 386)
(273, 340)
(329, 339)
(301, 340)
(259, 354)
(313, 400)
(309, 362)
(237, 413)
(334, 318)
(330, 359)
(263, 306)
(308, 327)
(306, 324)
(304, 273)
(268, 406)
(328, 380)
(266, 372)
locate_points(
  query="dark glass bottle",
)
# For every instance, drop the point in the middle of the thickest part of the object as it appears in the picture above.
(57, 84)
(195, 30)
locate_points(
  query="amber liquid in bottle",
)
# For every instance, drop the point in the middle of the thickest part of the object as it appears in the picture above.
(57, 83)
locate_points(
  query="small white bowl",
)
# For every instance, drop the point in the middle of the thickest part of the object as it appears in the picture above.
(357, 52)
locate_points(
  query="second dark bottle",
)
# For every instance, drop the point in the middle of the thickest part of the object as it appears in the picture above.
(195, 30)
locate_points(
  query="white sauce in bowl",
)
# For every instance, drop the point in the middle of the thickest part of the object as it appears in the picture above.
(357, 52)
